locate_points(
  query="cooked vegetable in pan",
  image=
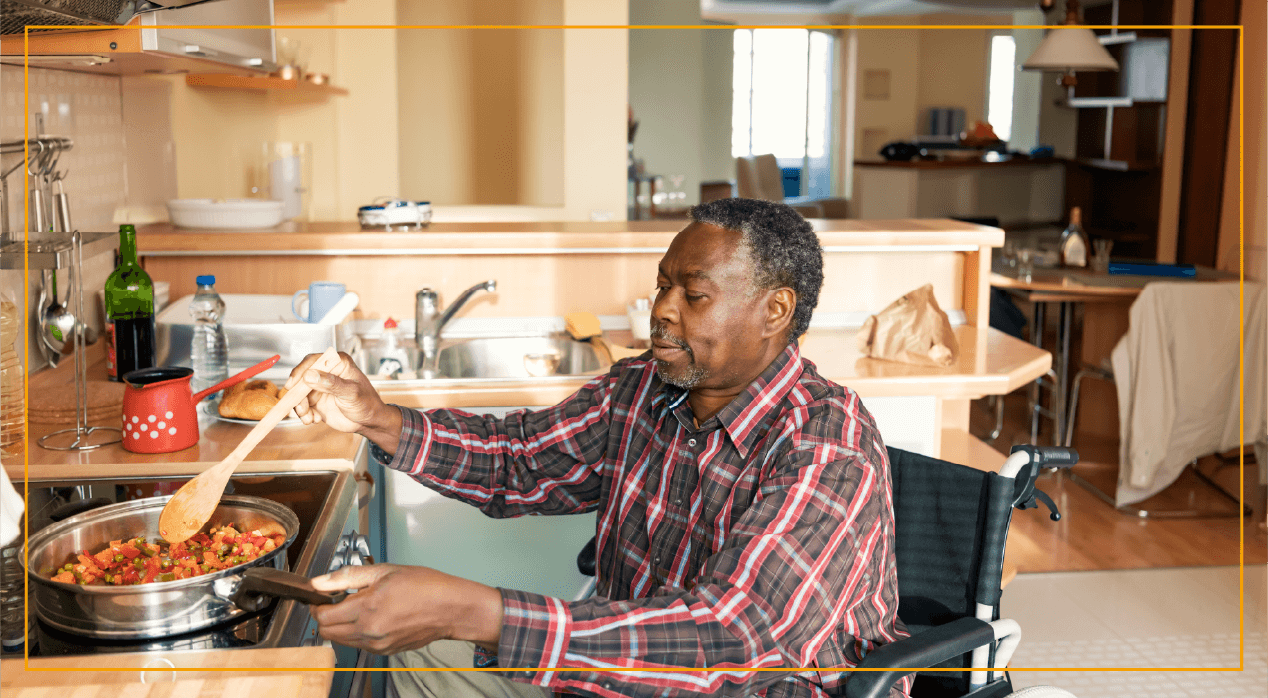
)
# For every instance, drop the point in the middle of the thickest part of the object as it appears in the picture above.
(137, 561)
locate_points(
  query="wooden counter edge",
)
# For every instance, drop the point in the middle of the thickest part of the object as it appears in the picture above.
(90, 471)
(313, 664)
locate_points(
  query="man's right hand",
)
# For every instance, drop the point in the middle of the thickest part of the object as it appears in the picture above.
(344, 399)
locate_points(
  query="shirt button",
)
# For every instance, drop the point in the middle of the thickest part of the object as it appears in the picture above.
(692, 442)
(678, 502)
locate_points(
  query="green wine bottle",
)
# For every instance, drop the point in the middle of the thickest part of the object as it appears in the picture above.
(129, 311)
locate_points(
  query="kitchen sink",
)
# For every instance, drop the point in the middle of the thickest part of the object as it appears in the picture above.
(528, 357)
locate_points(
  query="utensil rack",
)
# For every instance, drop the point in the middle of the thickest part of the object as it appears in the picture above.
(40, 156)
(85, 437)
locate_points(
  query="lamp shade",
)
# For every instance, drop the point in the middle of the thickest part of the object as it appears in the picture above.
(1070, 48)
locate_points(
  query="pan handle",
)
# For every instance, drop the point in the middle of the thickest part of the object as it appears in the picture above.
(260, 583)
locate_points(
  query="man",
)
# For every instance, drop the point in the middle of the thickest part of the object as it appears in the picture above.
(745, 512)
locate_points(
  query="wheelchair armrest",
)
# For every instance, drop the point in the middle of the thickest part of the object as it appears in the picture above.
(586, 559)
(927, 649)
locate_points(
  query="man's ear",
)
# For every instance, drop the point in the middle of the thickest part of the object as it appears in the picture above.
(780, 305)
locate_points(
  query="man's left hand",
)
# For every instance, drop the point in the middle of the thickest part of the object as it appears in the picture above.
(400, 608)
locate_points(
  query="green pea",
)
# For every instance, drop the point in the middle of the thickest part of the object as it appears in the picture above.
(118, 558)
(139, 564)
(166, 577)
(206, 568)
(109, 578)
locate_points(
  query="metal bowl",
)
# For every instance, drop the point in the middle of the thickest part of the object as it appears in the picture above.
(158, 609)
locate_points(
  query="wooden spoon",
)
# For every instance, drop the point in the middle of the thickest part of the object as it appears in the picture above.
(194, 503)
(585, 327)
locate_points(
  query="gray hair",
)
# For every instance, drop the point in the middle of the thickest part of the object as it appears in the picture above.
(783, 246)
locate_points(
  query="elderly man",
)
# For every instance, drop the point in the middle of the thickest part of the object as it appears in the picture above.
(745, 514)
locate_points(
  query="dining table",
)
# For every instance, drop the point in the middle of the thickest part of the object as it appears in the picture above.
(1068, 288)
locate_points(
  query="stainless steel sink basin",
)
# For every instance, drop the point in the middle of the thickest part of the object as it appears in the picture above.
(499, 358)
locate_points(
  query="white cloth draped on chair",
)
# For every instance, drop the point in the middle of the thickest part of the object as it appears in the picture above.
(1176, 371)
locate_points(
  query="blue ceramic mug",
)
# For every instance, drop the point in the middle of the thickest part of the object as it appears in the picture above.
(319, 297)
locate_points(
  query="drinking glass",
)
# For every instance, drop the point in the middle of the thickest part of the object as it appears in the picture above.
(1025, 264)
(1101, 255)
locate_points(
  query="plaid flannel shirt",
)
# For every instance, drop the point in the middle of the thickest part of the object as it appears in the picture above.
(764, 538)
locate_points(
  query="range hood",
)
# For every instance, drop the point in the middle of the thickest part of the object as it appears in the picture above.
(18, 14)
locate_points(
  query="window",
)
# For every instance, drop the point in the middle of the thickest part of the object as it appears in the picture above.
(782, 101)
(999, 88)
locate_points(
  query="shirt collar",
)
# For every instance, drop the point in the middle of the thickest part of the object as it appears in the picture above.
(744, 416)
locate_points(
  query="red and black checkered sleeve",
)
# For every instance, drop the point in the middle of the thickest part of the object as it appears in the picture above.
(530, 462)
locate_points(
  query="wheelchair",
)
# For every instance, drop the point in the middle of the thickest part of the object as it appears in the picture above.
(951, 522)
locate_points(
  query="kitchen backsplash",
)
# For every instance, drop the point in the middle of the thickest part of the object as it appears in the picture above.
(88, 109)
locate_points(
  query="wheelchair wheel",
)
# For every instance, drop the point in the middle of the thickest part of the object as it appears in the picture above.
(1041, 692)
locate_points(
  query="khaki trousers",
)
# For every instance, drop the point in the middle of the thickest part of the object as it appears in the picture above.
(451, 684)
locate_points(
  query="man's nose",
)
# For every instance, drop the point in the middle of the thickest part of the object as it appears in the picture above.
(665, 309)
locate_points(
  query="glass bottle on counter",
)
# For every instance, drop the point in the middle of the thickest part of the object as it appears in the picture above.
(209, 351)
(1074, 244)
(129, 311)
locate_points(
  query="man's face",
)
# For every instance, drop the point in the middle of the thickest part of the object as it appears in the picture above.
(708, 318)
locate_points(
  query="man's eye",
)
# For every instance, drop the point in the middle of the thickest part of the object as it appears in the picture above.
(695, 296)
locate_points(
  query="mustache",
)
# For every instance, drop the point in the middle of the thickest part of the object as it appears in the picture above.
(660, 332)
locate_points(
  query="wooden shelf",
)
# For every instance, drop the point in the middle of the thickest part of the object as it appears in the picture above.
(241, 82)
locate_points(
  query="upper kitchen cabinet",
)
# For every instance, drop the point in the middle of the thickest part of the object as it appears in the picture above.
(231, 36)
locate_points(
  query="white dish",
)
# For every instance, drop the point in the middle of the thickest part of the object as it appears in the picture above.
(213, 410)
(395, 212)
(225, 214)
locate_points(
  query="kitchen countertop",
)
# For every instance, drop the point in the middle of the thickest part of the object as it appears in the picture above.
(287, 447)
(347, 238)
(1003, 365)
(952, 163)
(248, 673)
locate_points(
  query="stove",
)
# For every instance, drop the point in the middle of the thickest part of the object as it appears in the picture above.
(322, 500)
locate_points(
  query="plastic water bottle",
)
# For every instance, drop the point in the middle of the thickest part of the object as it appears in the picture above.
(209, 352)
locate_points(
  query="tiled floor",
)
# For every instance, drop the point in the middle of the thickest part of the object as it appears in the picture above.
(1165, 618)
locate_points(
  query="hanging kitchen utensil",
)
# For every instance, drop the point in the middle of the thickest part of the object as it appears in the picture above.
(57, 324)
(159, 413)
(193, 504)
(61, 206)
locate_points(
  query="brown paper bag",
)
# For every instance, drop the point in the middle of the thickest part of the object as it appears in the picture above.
(913, 330)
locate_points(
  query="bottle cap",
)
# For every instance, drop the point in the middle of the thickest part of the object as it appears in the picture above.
(206, 280)
(389, 324)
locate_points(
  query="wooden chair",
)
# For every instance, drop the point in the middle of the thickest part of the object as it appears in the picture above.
(759, 177)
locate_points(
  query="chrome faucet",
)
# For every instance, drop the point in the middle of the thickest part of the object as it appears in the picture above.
(429, 322)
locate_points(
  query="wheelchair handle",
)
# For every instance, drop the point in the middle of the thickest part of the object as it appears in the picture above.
(1049, 456)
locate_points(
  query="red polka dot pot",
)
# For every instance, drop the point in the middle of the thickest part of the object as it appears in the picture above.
(159, 411)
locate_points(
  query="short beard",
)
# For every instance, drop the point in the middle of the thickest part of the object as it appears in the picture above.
(690, 377)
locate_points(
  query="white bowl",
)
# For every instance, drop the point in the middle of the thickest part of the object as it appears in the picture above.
(225, 214)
